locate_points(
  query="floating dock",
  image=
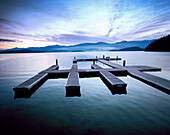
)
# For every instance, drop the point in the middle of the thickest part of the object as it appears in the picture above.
(108, 75)
(135, 72)
(113, 83)
(73, 86)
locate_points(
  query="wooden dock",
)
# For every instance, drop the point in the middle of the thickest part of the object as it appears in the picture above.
(73, 86)
(108, 75)
(135, 72)
(27, 88)
(96, 59)
(115, 85)
(29, 84)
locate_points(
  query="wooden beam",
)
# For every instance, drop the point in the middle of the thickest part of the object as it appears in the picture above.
(73, 86)
(157, 82)
(116, 85)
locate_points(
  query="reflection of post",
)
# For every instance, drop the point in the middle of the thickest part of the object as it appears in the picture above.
(93, 61)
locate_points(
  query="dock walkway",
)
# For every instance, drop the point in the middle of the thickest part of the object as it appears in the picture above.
(135, 72)
(116, 85)
(73, 86)
(108, 75)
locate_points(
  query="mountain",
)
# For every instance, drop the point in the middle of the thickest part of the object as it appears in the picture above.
(20, 51)
(162, 44)
(135, 48)
(85, 47)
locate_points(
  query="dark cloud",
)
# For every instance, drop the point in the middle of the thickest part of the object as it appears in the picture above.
(9, 40)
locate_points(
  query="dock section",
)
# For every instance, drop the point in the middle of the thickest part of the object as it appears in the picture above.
(108, 75)
(157, 82)
(135, 72)
(73, 86)
(27, 88)
(96, 59)
(115, 85)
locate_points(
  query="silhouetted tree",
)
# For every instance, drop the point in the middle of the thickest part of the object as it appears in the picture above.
(162, 44)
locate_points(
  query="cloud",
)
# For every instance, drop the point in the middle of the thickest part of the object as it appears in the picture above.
(81, 32)
(74, 21)
(9, 40)
(76, 38)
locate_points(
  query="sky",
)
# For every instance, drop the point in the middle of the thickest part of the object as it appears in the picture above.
(36, 23)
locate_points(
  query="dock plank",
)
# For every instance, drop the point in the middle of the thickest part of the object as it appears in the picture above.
(73, 86)
(144, 68)
(52, 68)
(111, 64)
(116, 85)
(35, 80)
(157, 82)
(30, 83)
(96, 59)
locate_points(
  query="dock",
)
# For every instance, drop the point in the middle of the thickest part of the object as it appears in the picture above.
(27, 88)
(108, 76)
(136, 72)
(112, 82)
(97, 59)
(73, 86)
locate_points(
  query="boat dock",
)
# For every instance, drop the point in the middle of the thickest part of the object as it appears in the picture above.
(108, 76)
(114, 84)
(136, 73)
(73, 86)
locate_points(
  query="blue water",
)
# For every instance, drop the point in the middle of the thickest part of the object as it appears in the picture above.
(143, 110)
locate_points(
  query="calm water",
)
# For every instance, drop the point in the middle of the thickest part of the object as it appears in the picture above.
(143, 110)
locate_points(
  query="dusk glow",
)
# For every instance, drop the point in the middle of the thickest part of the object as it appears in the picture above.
(68, 22)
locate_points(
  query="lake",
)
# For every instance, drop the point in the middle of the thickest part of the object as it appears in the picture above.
(143, 110)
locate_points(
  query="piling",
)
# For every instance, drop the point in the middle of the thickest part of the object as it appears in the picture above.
(56, 61)
(74, 60)
(124, 63)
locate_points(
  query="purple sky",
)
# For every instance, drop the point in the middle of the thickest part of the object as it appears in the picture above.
(25, 23)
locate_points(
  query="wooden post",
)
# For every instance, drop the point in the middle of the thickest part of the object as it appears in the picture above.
(96, 57)
(56, 61)
(124, 63)
(93, 61)
(74, 57)
(103, 56)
